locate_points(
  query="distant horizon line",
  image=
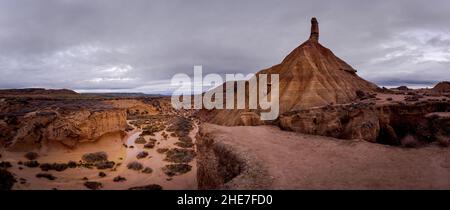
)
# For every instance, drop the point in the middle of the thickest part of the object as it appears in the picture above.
(386, 84)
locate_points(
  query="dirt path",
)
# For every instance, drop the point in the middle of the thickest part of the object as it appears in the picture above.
(298, 161)
(112, 144)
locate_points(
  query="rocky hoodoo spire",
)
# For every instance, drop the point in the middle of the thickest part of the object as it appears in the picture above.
(314, 30)
(310, 76)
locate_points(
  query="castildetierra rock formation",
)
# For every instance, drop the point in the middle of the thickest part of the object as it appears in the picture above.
(310, 76)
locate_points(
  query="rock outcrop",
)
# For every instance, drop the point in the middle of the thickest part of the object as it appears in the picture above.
(386, 124)
(442, 87)
(33, 123)
(134, 107)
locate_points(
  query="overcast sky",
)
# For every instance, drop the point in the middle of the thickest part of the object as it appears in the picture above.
(137, 46)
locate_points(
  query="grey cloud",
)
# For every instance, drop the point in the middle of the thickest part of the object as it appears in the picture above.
(86, 45)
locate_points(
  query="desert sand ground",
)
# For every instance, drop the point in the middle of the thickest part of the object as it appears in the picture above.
(112, 144)
(298, 161)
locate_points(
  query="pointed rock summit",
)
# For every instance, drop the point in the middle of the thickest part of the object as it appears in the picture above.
(314, 30)
(310, 76)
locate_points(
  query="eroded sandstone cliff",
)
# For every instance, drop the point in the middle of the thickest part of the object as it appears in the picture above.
(32, 123)
(395, 123)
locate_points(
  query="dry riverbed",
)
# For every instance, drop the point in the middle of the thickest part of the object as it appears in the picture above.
(157, 160)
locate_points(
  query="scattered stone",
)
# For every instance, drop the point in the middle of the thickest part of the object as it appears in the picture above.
(85, 178)
(31, 155)
(31, 164)
(95, 157)
(131, 147)
(147, 187)
(20, 163)
(93, 185)
(101, 174)
(20, 168)
(142, 154)
(119, 179)
(45, 175)
(7, 180)
(135, 166)
(176, 169)
(147, 170)
(177, 155)
(124, 145)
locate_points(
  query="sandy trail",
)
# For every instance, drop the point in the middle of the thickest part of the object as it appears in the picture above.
(112, 144)
(299, 161)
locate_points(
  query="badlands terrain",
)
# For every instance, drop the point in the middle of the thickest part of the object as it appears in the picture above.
(59, 140)
(335, 131)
